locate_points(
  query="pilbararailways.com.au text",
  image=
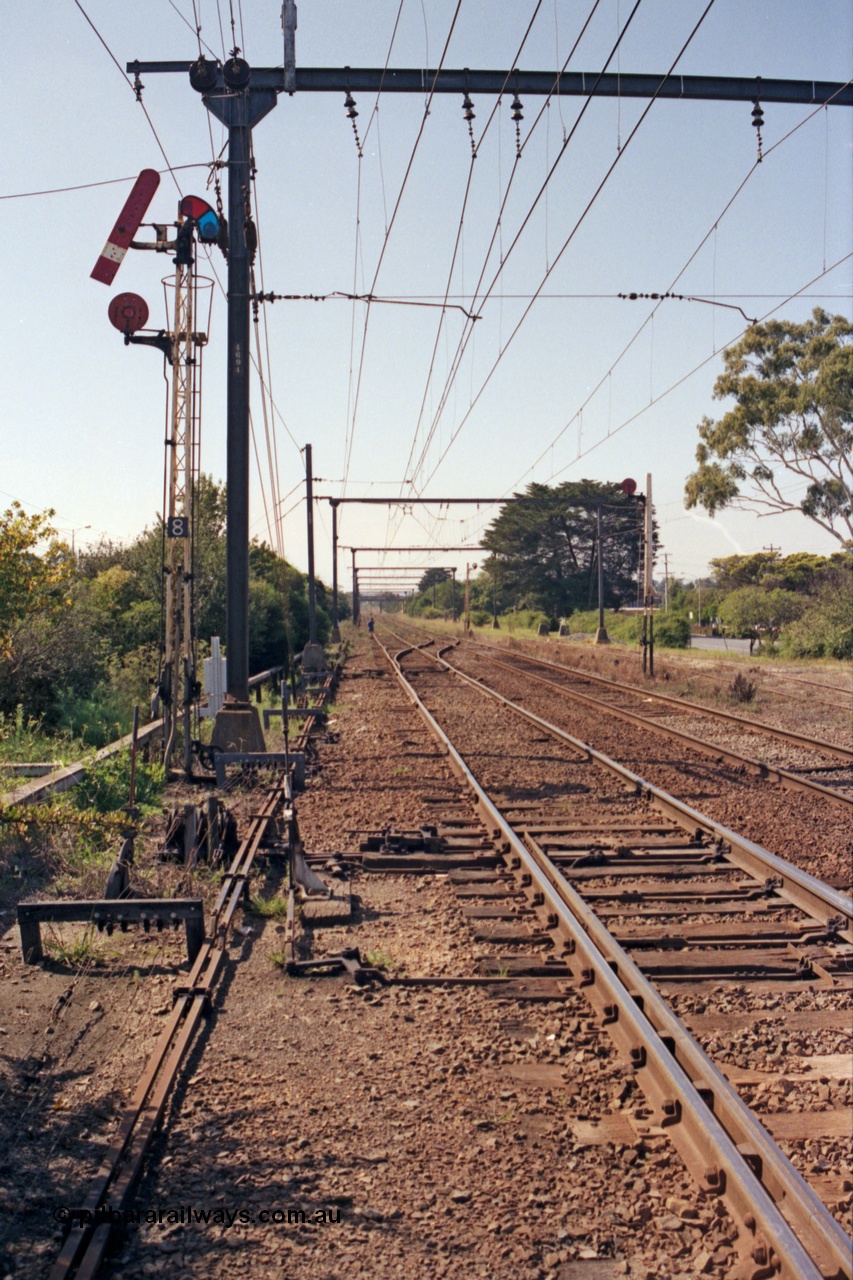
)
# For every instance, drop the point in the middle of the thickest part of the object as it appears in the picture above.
(188, 1215)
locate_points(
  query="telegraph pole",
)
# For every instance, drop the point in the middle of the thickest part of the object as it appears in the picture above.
(601, 636)
(356, 608)
(336, 631)
(648, 586)
(313, 657)
(312, 595)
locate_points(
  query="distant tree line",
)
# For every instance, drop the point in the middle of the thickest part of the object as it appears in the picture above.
(541, 555)
(541, 566)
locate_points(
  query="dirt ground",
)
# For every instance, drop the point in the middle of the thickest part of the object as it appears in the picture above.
(432, 1131)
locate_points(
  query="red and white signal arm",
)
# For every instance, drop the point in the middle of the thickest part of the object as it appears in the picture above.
(126, 227)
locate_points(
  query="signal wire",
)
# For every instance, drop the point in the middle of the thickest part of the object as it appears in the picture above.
(711, 231)
(348, 458)
(137, 94)
(570, 237)
(88, 186)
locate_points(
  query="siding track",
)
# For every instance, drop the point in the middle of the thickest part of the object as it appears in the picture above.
(641, 896)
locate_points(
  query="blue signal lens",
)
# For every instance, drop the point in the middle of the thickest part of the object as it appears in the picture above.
(208, 226)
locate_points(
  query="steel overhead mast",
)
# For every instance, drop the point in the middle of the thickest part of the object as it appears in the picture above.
(239, 96)
(568, 84)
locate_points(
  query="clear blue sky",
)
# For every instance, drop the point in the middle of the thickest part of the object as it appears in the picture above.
(83, 416)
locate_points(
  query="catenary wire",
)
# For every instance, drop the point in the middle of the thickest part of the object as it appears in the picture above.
(749, 175)
(348, 459)
(571, 235)
(138, 96)
(663, 394)
(467, 330)
(454, 255)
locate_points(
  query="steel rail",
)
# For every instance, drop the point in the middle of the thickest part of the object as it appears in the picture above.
(71, 775)
(714, 713)
(817, 684)
(85, 1246)
(801, 889)
(663, 1053)
(757, 767)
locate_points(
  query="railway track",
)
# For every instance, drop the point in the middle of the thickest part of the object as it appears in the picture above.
(793, 760)
(652, 908)
(528, 868)
(705, 674)
(87, 1242)
(800, 824)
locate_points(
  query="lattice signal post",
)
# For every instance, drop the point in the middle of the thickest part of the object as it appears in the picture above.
(182, 347)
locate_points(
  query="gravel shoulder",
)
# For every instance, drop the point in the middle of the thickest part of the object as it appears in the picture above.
(440, 1131)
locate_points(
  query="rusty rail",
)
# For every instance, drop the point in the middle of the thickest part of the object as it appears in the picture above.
(85, 1246)
(693, 708)
(757, 767)
(721, 1141)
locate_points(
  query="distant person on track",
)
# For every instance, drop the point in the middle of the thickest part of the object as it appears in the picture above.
(370, 625)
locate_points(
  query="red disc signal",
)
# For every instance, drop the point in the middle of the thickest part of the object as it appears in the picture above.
(125, 229)
(128, 312)
(629, 486)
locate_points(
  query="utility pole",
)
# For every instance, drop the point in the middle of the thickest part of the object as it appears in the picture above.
(666, 582)
(468, 568)
(336, 630)
(601, 636)
(312, 597)
(313, 657)
(356, 608)
(648, 640)
(74, 533)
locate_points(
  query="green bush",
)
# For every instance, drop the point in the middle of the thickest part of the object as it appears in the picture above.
(524, 619)
(825, 630)
(24, 739)
(106, 786)
(746, 610)
(624, 627)
(96, 720)
(672, 630)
